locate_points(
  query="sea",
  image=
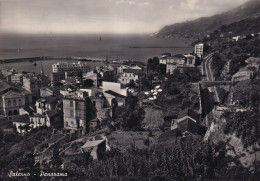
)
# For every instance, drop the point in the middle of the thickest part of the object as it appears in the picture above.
(89, 46)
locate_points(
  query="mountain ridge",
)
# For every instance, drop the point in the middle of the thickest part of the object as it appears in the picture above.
(204, 25)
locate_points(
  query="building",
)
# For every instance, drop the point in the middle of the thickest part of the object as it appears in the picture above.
(57, 77)
(179, 61)
(163, 59)
(12, 98)
(236, 38)
(95, 147)
(75, 107)
(46, 104)
(33, 83)
(49, 91)
(92, 76)
(199, 50)
(242, 75)
(190, 61)
(96, 96)
(187, 123)
(22, 123)
(70, 67)
(130, 75)
(173, 62)
(7, 73)
(38, 120)
(17, 78)
(64, 70)
(108, 74)
(114, 91)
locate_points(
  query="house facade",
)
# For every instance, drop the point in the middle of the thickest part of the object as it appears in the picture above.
(12, 98)
(130, 75)
(75, 112)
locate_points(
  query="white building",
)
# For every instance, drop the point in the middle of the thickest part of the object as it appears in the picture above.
(163, 59)
(113, 90)
(236, 38)
(130, 74)
(70, 67)
(199, 49)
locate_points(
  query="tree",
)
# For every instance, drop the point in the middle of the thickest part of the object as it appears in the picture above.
(217, 64)
(88, 83)
(129, 118)
(55, 159)
(153, 63)
(145, 83)
(131, 84)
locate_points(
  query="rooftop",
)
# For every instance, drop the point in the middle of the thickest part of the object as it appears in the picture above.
(188, 112)
(49, 99)
(21, 119)
(114, 94)
(90, 144)
(134, 71)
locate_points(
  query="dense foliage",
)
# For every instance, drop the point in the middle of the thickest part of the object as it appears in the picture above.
(129, 117)
(185, 159)
(217, 64)
(153, 65)
(246, 93)
(178, 92)
(245, 125)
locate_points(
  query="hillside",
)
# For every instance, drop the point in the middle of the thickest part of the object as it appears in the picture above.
(205, 25)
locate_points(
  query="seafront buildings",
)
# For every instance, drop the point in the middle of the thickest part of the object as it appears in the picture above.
(70, 67)
(63, 70)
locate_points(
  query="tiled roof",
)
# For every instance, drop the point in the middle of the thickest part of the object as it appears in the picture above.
(21, 119)
(5, 86)
(12, 94)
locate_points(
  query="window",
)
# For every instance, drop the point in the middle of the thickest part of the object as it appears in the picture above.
(20, 102)
(10, 113)
(71, 113)
(15, 112)
(94, 103)
(66, 124)
(9, 103)
(71, 103)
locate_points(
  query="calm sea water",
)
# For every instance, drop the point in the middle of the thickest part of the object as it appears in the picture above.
(133, 47)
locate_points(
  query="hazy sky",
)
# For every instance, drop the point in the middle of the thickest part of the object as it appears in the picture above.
(103, 16)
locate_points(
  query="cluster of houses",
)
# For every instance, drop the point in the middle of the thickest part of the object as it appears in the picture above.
(31, 100)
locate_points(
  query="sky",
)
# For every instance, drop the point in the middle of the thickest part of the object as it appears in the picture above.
(103, 16)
